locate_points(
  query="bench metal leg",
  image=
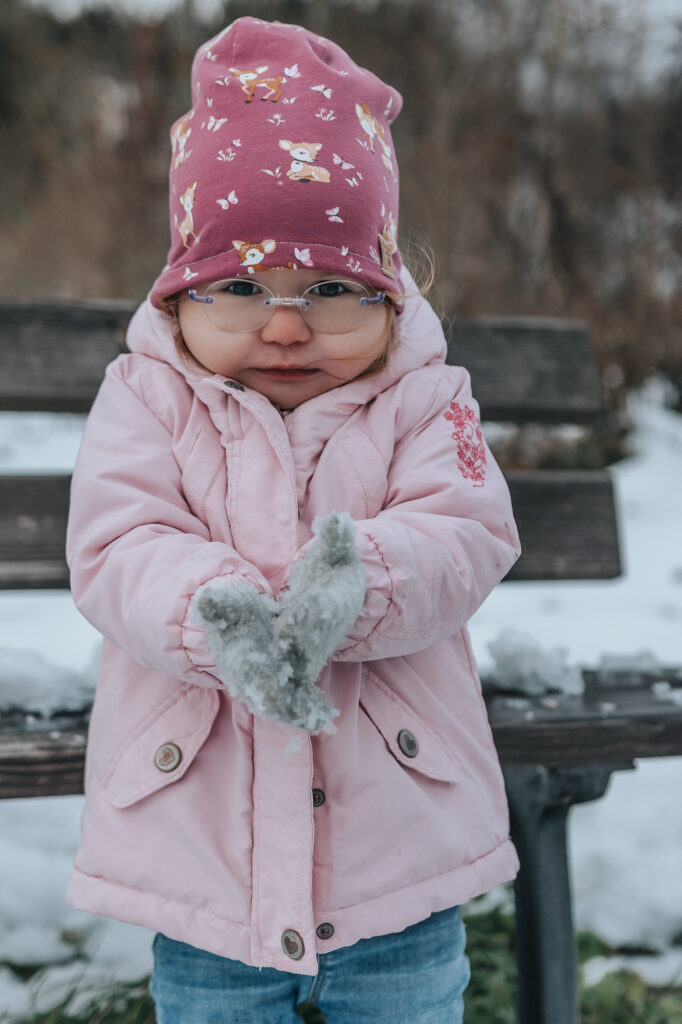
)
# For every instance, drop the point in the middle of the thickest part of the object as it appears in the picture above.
(539, 801)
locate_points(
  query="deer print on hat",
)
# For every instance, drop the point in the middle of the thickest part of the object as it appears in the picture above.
(180, 133)
(304, 155)
(186, 226)
(253, 253)
(374, 130)
(251, 80)
(388, 245)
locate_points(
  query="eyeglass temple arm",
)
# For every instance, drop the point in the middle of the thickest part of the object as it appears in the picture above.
(379, 297)
(208, 299)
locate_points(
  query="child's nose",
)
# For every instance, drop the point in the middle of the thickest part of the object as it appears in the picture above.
(286, 326)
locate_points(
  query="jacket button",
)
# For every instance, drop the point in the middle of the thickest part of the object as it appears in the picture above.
(407, 742)
(234, 384)
(167, 757)
(292, 944)
(325, 931)
(318, 797)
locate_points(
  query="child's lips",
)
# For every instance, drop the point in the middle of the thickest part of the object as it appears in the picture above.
(287, 372)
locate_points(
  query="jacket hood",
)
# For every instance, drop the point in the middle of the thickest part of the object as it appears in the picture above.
(420, 341)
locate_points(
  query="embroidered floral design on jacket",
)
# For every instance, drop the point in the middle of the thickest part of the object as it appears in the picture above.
(469, 439)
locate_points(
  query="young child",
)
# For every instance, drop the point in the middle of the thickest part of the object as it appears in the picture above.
(283, 515)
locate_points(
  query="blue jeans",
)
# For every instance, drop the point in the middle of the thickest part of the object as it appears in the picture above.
(417, 975)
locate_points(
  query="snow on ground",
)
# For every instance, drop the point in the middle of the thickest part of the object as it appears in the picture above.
(624, 849)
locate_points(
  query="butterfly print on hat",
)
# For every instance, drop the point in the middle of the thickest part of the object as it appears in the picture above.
(231, 200)
(303, 256)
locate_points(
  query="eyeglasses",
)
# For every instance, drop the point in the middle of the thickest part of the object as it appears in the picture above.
(239, 305)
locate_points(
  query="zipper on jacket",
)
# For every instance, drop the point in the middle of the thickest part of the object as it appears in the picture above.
(283, 413)
(220, 383)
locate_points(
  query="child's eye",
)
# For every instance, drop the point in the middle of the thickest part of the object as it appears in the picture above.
(239, 287)
(329, 289)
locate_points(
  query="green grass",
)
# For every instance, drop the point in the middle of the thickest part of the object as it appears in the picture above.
(620, 997)
(490, 999)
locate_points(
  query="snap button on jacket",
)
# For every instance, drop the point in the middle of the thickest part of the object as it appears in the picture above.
(276, 851)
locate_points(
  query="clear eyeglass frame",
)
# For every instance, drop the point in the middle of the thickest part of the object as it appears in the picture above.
(332, 314)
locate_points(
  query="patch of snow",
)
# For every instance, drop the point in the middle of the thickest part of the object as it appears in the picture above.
(521, 664)
(638, 661)
(664, 691)
(77, 986)
(663, 970)
(29, 681)
(39, 442)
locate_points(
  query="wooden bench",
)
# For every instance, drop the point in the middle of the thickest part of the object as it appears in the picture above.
(523, 371)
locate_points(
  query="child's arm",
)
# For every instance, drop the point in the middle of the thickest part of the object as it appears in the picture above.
(445, 537)
(136, 552)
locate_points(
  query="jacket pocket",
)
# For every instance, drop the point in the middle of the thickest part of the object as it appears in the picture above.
(411, 740)
(163, 746)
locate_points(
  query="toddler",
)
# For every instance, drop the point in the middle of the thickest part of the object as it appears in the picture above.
(283, 514)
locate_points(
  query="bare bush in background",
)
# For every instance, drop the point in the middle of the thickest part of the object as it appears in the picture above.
(536, 160)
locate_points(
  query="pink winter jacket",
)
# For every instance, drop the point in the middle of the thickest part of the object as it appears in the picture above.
(241, 847)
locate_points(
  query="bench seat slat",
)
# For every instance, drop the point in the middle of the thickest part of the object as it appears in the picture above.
(47, 763)
(40, 764)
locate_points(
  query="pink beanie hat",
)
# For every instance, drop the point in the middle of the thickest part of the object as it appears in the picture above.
(285, 159)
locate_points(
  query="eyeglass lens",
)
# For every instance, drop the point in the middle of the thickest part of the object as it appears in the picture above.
(332, 307)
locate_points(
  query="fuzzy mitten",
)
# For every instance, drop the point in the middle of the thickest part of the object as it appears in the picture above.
(271, 653)
(238, 620)
(323, 596)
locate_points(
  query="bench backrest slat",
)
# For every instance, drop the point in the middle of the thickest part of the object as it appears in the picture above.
(53, 356)
(529, 370)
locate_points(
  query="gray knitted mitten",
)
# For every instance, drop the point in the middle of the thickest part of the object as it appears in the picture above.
(271, 653)
(323, 597)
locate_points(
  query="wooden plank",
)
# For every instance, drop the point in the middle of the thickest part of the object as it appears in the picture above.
(45, 762)
(53, 355)
(573, 732)
(566, 522)
(33, 515)
(528, 369)
(42, 763)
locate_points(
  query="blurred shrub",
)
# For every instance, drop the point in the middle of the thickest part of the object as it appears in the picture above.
(536, 159)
